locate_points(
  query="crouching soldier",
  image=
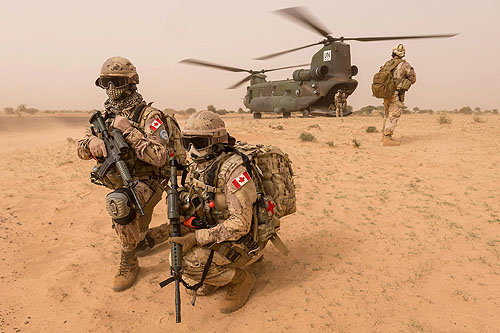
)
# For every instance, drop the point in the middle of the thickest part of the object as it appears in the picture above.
(150, 134)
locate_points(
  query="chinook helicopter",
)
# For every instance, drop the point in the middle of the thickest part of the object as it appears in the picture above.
(311, 91)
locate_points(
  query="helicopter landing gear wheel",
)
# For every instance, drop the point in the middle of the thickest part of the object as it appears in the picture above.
(257, 115)
(287, 114)
(306, 114)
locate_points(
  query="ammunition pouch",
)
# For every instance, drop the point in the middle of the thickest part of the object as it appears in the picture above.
(239, 252)
(119, 207)
(405, 84)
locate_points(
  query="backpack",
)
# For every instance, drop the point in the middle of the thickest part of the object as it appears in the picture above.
(274, 179)
(383, 85)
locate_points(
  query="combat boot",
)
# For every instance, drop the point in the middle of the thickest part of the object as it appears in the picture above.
(127, 272)
(238, 291)
(389, 141)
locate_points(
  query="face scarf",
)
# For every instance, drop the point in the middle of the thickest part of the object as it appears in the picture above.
(122, 98)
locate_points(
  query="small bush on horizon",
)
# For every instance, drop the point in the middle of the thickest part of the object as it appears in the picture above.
(371, 129)
(304, 136)
(444, 119)
(478, 119)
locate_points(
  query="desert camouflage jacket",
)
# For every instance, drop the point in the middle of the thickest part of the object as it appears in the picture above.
(149, 139)
(235, 194)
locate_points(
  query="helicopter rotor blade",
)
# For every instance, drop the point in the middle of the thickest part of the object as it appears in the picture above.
(287, 51)
(279, 68)
(303, 17)
(239, 83)
(375, 39)
(213, 65)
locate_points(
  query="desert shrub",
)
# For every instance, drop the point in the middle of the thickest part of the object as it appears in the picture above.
(356, 143)
(211, 108)
(221, 112)
(444, 119)
(314, 126)
(279, 127)
(478, 119)
(304, 136)
(465, 110)
(371, 129)
(9, 110)
(330, 143)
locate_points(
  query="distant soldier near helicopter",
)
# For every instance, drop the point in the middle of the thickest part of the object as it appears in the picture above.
(340, 101)
(391, 83)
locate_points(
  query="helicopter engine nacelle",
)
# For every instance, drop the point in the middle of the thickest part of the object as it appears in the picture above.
(317, 73)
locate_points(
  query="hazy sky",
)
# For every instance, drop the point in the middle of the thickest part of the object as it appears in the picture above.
(51, 51)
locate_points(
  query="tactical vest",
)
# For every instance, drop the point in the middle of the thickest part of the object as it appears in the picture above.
(273, 177)
(140, 170)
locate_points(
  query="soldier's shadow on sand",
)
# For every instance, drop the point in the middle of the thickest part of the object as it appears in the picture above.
(305, 260)
(407, 139)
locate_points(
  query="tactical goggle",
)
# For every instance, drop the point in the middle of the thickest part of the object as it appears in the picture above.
(199, 142)
(118, 81)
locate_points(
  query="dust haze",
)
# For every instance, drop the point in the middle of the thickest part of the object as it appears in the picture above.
(384, 239)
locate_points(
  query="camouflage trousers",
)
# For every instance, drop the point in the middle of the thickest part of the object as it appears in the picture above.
(392, 111)
(339, 109)
(149, 193)
(194, 263)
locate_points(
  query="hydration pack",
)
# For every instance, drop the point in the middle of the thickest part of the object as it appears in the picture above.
(383, 85)
(273, 176)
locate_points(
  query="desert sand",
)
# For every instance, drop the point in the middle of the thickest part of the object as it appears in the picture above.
(385, 239)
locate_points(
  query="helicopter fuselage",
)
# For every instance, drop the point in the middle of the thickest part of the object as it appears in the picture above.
(310, 89)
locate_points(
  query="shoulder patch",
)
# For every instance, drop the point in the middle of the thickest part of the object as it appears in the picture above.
(240, 180)
(156, 124)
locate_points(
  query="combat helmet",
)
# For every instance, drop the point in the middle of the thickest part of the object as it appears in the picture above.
(399, 50)
(118, 70)
(203, 131)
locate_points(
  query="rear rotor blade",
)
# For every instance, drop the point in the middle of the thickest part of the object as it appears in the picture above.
(277, 69)
(374, 39)
(211, 64)
(301, 16)
(239, 83)
(284, 52)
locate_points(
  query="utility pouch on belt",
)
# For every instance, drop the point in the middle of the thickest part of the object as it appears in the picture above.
(240, 252)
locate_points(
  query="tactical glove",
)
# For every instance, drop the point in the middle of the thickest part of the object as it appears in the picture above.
(121, 123)
(187, 241)
(97, 147)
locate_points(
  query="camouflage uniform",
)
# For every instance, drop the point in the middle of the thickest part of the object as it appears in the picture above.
(404, 76)
(150, 135)
(233, 209)
(223, 191)
(340, 101)
(149, 154)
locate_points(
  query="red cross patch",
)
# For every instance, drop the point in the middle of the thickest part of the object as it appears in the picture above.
(270, 206)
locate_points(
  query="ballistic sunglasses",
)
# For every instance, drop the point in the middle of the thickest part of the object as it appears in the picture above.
(118, 81)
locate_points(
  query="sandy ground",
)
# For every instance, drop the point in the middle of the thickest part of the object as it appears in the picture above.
(385, 239)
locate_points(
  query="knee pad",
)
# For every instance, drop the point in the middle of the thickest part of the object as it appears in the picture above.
(119, 206)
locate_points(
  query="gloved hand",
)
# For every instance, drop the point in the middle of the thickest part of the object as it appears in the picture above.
(121, 123)
(187, 241)
(97, 147)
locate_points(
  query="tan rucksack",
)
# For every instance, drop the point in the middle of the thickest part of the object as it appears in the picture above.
(383, 85)
(273, 177)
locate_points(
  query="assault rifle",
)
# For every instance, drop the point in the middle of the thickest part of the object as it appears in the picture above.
(176, 269)
(116, 147)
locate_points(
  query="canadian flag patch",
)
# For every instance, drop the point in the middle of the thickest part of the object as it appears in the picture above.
(156, 123)
(241, 180)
